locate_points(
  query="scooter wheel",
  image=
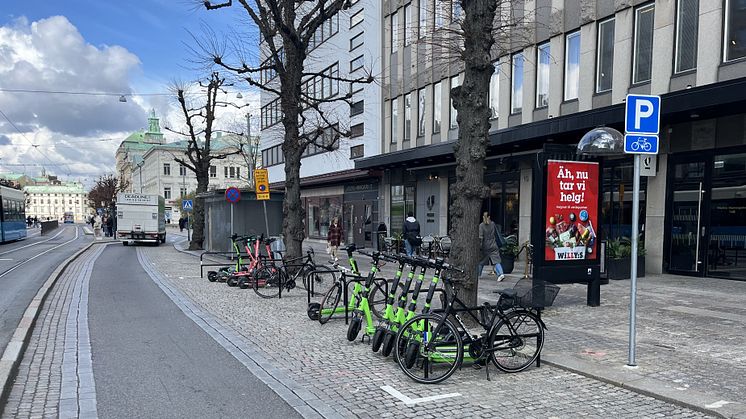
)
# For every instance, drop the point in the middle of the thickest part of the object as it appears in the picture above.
(243, 285)
(313, 311)
(232, 281)
(377, 339)
(212, 276)
(410, 356)
(388, 343)
(354, 328)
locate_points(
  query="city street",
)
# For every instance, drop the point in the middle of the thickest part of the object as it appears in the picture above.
(150, 338)
(25, 265)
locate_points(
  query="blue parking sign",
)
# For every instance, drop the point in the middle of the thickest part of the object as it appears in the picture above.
(643, 114)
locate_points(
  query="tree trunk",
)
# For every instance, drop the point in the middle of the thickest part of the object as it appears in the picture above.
(198, 213)
(472, 103)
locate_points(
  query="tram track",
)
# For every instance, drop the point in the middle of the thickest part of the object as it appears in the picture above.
(35, 243)
(19, 264)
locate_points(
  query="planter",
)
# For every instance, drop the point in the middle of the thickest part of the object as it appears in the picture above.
(619, 268)
(507, 262)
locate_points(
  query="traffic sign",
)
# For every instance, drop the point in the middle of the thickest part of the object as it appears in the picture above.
(232, 195)
(187, 205)
(261, 181)
(642, 115)
(640, 144)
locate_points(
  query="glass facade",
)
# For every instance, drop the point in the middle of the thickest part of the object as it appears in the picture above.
(319, 213)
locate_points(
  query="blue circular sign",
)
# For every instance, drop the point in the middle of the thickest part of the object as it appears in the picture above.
(232, 195)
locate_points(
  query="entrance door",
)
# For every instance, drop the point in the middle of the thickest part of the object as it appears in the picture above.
(687, 244)
(726, 254)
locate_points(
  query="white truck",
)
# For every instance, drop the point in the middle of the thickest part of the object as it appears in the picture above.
(141, 218)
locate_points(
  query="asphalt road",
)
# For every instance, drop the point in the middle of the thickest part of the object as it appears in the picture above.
(150, 360)
(24, 267)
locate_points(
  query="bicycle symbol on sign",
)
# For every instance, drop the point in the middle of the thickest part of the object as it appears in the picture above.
(642, 144)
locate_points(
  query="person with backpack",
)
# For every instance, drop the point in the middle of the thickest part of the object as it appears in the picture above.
(490, 241)
(411, 234)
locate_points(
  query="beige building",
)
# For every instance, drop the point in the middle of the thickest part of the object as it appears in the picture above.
(53, 201)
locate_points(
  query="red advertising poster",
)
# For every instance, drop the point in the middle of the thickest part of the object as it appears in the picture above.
(572, 210)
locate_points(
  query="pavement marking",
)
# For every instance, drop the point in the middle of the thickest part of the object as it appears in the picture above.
(5, 260)
(40, 254)
(411, 402)
(34, 244)
(707, 313)
(78, 389)
(717, 404)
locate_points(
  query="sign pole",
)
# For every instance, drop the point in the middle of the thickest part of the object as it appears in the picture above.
(633, 259)
(266, 223)
(232, 218)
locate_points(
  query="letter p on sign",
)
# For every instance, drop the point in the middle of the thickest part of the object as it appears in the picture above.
(643, 114)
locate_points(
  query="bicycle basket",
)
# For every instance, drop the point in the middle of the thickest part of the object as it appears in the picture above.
(535, 293)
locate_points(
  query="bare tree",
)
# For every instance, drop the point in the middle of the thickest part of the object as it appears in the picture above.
(105, 190)
(288, 29)
(479, 31)
(200, 113)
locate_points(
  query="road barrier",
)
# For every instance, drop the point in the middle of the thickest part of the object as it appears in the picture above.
(47, 226)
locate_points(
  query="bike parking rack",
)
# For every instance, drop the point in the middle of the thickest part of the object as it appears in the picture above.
(311, 290)
(202, 263)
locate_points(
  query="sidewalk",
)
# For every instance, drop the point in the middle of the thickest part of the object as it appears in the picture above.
(680, 360)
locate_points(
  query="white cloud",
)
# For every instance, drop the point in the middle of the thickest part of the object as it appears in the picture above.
(52, 55)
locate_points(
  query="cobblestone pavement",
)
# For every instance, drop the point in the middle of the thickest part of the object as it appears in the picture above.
(347, 377)
(37, 389)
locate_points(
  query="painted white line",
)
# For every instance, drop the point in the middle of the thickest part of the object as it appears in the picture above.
(40, 254)
(717, 404)
(34, 244)
(5, 260)
(411, 402)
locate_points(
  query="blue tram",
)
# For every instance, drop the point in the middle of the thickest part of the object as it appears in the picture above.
(12, 214)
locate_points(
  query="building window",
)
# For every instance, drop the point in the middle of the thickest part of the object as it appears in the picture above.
(687, 22)
(271, 114)
(324, 32)
(232, 172)
(166, 169)
(455, 82)
(735, 29)
(394, 32)
(238, 173)
(225, 172)
(436, 107)
(213, 171)
(516, 98)
(572, 65)
(357, 63)
(407, 117)
(542, 75)
(182, 170)
(357, 130)
(440, 13)
(357, 108)
(642, 57)
(456, 10)
(394, 119)
(495, 91)
(356, 19)
(357, 151)
(183, 192)
(167, 192)
(357, 41)
(273, 156)
(407, 24)
(421, 112)
(423, 18)
(322, 86)
(605, 64)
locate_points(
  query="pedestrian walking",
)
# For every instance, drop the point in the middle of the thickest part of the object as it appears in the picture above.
(334, 238)
(490, 240)
(182, 222)
(411, 234)
(97, 225)
(110, 226)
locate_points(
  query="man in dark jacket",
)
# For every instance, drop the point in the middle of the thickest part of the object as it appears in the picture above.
(411, 234)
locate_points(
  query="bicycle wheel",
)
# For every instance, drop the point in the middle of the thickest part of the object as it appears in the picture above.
(377, 299)
(320, 275)
(425, 356)
(516, 341)
(329, 303)
(267, 281)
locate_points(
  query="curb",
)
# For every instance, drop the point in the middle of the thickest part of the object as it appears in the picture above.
(13, 354)
(657, 389)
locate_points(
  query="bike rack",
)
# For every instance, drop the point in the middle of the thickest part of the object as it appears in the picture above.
(202, 264)
(346, 284)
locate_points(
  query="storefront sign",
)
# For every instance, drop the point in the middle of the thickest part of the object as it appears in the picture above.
(571, 210)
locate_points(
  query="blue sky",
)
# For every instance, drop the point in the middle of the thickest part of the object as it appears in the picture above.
(125, 46)
(156, 31)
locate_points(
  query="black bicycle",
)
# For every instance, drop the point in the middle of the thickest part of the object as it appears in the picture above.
(276, 274)
(430, 347)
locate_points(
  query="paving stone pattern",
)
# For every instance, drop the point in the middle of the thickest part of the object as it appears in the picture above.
(347, 377)
(36, 391)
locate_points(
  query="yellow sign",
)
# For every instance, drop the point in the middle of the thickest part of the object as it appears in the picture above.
(261, 183)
